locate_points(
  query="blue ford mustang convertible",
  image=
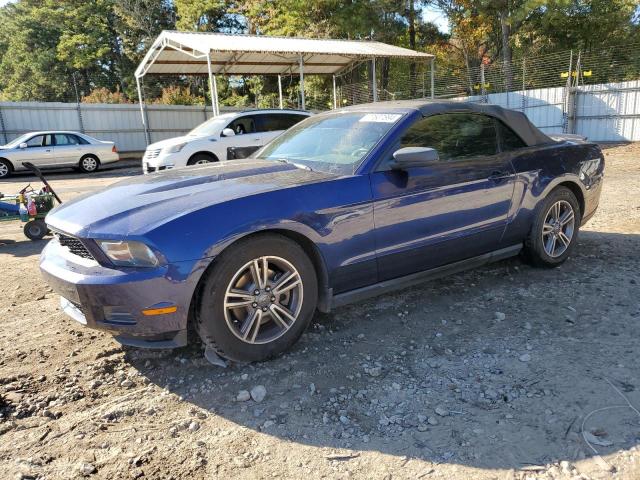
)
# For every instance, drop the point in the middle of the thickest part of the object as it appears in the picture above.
(343, 206)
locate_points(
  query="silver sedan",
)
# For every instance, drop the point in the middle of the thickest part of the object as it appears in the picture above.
(56, 149)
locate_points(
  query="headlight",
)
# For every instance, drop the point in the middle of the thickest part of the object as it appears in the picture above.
(128, 254)
(174, 148)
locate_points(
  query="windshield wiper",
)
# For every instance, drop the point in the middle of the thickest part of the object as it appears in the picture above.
(298, 165)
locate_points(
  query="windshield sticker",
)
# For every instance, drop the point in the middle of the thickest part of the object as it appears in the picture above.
(380, 117)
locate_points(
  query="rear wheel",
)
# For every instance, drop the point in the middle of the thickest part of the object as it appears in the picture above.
(35, 229)
(5, 168)
(555, 229)
(201, 159)
(89, 164)
(258, 299)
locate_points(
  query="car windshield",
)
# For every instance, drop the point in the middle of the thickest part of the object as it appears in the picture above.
(17, 141)
(334, 142)
(213, 126)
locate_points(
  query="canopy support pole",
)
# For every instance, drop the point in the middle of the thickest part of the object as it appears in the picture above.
(335, 98)
(215, 91)
(142, 111)
(280, 90)
(433, 70)
(302, 102)
(213, 88)
(374, 83)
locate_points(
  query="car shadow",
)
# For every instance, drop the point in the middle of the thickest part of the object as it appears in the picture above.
(495, 368)
(126, 166)
(22, 248)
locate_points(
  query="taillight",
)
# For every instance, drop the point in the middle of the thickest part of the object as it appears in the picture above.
(114, 149)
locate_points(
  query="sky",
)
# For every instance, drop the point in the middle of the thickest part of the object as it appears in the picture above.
(435, 15)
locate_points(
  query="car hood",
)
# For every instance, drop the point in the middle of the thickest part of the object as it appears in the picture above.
(170, 142)
(137, 205)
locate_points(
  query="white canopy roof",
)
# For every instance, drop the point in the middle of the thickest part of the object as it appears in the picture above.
(185, 53)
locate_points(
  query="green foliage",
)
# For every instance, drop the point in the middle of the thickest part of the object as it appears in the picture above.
(205, 15)
(49, 49)
(176, 95)
(62, 50)
(104, 95)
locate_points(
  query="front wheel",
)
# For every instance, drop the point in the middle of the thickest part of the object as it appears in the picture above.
(201, 159)
(258, 299)
(555, 229)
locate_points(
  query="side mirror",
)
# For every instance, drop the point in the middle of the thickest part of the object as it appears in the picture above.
(410, 157)
(22, 145)
(228, 132)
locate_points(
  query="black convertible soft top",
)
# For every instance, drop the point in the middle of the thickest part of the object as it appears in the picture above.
(517, 121)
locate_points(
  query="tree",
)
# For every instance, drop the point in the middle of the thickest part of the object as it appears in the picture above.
(205, 15)
(51, 48)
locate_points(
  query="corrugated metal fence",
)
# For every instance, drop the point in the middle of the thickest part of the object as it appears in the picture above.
(121, 123)
(606, 112)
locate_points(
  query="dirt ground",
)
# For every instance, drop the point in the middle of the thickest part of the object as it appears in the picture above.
(505, 372)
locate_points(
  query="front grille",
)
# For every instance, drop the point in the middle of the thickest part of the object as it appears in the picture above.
(74, 245)
(149, 154)
(149, 169)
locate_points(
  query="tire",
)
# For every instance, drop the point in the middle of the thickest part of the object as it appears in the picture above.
(89, 164)
(547, 244)
(201, 159)
(6, 169)
(35, 229)
(253, 332)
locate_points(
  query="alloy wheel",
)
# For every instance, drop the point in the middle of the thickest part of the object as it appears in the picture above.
(202, 162)
(558, 228)
(89, 164)
(4, 170)
(263, 300)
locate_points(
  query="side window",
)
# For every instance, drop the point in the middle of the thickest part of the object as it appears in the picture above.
(455, 136)
(37, 141)
(509, 140)
(63, 139)
(290, 119)
(79, 140)
(269, 122)
(243, 125)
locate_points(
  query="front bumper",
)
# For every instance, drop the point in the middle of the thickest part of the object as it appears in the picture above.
(113, 300)
(157, 160)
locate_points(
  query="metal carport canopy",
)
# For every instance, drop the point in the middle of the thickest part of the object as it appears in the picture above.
(185, 53)
(211, 54)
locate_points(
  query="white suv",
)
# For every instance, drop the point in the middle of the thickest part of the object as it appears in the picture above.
(225, 137)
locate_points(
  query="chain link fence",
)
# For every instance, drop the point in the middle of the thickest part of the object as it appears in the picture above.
(595, 92)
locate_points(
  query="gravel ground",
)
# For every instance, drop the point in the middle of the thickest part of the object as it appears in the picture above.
(505, 372)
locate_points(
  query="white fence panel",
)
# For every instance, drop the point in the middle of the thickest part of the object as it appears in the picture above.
(603, 113)
(609, 112)
(120, 123)
(21, 117)
(173, 121)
